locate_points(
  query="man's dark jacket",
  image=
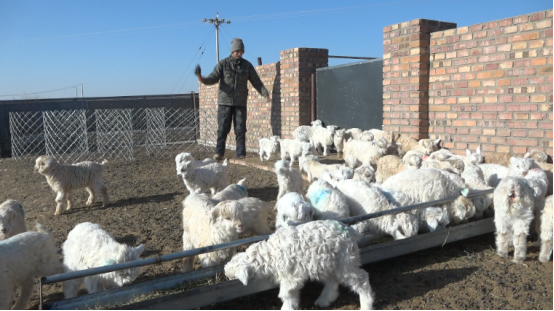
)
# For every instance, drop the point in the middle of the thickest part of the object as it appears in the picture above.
(233, 75)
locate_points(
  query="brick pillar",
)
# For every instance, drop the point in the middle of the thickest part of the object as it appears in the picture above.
(297, 65)
(406, 76)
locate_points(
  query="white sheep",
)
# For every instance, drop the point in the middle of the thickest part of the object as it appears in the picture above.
(323, 138)
(427, 146)
(329, 203)
(293, 210)
(364, 199)
(338, 140)
(12, 219)
(211, 177)
(23, 258)
(453, 165)
(391, 165)
(288, 178)
(255, 213)
(89, 246)
(494, 173)
(232, 192)
(546, 231)
(204, 225)
(359, 152)
(294, 149)
(475, 179)
(366, 135)
(353, 133)
(305, 132)
(311, 165)
(342, 173)
(268, 147)
(183, 157)
(470, 158)
(513, 213)
(64, 179)
(364, 173)
(323, 250)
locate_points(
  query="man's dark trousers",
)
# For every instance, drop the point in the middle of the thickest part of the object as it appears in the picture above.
(226, 114)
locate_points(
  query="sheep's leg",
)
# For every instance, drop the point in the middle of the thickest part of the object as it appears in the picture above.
(289, 293)
(105, 197)
(90, 196)
(188, 262)
(292, 158)
(329, 294)
(26, 291)
(94, 284)
(60, 199)
(502, 244)
(325, 150)
(358, 281)
(69, 199)
(71, 287)
(520, 247)
(261, 156)
(546, 250)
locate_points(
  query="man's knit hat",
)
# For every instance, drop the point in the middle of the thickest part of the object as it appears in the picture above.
(237, 45)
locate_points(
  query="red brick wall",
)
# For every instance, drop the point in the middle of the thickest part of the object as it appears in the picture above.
(491, 84)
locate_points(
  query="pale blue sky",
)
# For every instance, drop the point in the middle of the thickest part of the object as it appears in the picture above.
(132, 47)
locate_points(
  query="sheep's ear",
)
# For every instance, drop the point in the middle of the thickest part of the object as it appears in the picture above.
(527, 155)
(437, 142)
(243, 274)
(468, 153)
(138, 251)
(478, 150)
(215, 213)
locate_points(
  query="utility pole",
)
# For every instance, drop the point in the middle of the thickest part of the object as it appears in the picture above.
(216, 23)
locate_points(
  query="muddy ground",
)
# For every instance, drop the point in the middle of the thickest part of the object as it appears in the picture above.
(146, 200)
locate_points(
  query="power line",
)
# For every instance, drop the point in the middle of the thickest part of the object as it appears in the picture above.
(184, 83)
(65, 88)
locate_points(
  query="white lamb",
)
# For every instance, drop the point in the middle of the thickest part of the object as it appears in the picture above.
(513, 213)
(364, 173)
(338, 140)
(89, 246)
(323, 138)
(232, 192)
(204, 226)
(211, 177)
(64, 179)
(364, 199)
(288, 178)
(359, 152)
(311, 165)
(305, 132)
(268, 147)
(390, 165)
(294, 149)
(494, 173)
(475, 179)
(329, 203)
(12, 219)
(324, 250)
(183, 157)
(23, 258)
(342, 173)
(546, 231)
(292, 210)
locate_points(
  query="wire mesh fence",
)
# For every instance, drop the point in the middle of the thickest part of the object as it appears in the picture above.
(81, 134)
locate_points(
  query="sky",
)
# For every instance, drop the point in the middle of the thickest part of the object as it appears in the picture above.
(49, 49)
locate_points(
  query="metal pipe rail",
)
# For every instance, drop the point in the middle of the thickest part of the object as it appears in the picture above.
(179, 255)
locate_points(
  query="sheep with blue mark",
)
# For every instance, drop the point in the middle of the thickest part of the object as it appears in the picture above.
(329, 203)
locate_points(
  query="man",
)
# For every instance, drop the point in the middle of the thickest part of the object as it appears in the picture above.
(232, 73)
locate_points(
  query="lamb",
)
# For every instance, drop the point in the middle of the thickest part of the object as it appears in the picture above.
(64, 179)
(353, 133)
(473, 176)
(324, 250)
(314, 168)
(338, 140)
(183, 157)
(513, 213)
(211, 177)
(364, 173)
(391, 165)
(305, 132)
(289, 179)
(268, 147)
(427, 146)
(470, 158)
(292, 210)
(204, 226)
(24, 257)
(232, 192)
(328, 202)
(294, 149)
(494, 173)
(538, 155)
(323, 138)
(358, 152)
(364, 199)
(333, 177)
(546, 231)
(453, 165)
(366, 136)
(12, 219)
(89, 246)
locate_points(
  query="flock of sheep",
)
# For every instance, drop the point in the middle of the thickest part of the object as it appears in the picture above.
(381, 171)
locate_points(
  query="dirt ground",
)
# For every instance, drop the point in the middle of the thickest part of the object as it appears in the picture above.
(146, 200)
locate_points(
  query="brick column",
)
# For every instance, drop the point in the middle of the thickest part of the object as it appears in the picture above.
(406, 76)
(297, 65)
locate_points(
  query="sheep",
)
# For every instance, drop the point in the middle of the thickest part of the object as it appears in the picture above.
(338, 140)
(328, 202)
(204, 225)
(391, 165)
(288, 178)
(314, 168)
(364, 173)
(494, 173)
(294, 149)
(513, 213)
(64, 179)
(429, 184)
(388, 135)
(473, 176)
(426, 146)
(12, 219)
(255, 213)
(211, 177)
(89, 246)
(24, 257)
(323, 138)
(305, 132)
(547, 168)
(344, 172)
(232, 192)
(183, 157)
(364, 199)
(453, 165)
(366, 136)
(500, 158)
(293, 210)
(470, 158)
(324, 250)
(353, 133)
(538, 155)
(268, 147)
(358, 152)
(546, 231)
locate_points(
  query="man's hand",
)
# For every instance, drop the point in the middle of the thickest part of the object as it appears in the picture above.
(198, 73)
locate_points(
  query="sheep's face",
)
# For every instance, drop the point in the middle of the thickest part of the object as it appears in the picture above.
(44, 164)
(436, 218)
(7, 215)
(281, 167)
(537, 155)
(519, 167)
(239, 269)
(294, 214)
(462, 209)
(381, 145)
(456, 166)
(428, 146)
(474, 158)
(227, 215)
(316, 123)
(126, 254)
(187, 169)
(407, 224)
(413, 161)
(365, 173)
(367, 136)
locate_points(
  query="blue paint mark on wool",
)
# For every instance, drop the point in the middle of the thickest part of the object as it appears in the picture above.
(319, 195)
(242, 188)
(109, 262)
(342, 227)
